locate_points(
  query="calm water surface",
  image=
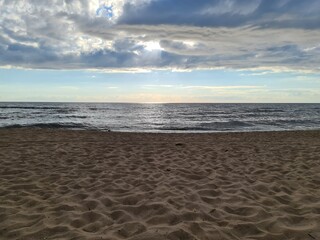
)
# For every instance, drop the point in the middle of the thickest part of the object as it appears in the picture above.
(161, 117)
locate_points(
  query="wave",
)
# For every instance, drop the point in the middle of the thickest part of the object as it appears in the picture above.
(183, 129)
(51, 126)
(213, 126)
(296, 121)
(265, 110)
(56, 109)
(73, 117)
(64, 111)
(226, 124)
(26, 107)
(180, 118)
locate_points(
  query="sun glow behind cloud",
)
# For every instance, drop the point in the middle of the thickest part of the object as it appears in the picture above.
(116, 35)
(152, 46)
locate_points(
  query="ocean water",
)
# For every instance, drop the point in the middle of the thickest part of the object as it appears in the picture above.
(161, 117)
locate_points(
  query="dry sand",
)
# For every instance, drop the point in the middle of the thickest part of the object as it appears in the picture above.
(89, 185)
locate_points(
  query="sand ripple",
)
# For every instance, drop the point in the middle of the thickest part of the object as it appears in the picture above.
(89, 185)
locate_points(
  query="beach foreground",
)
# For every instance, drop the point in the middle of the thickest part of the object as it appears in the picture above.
(57, 184)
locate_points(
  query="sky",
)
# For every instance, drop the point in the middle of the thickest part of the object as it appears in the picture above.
(160, 50)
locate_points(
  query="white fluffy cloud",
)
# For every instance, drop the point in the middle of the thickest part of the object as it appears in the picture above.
(160, 34)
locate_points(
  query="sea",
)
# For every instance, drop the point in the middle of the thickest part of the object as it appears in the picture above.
(130, 117)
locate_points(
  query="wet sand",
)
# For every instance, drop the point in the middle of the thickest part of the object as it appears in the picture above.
(58, 184)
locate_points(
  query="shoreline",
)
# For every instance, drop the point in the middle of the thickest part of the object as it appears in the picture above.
(27, 128)
(79, 184)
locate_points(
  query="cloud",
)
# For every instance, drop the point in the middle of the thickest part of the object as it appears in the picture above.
(159, 86)
(223, 87)
(224, 13)
(180, 35)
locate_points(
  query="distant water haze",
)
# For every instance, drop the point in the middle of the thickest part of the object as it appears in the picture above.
(161, 117)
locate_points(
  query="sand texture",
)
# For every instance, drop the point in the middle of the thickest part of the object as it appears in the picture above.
(58, 184)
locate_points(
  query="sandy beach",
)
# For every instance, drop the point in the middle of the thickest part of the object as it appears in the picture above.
(58, 184)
